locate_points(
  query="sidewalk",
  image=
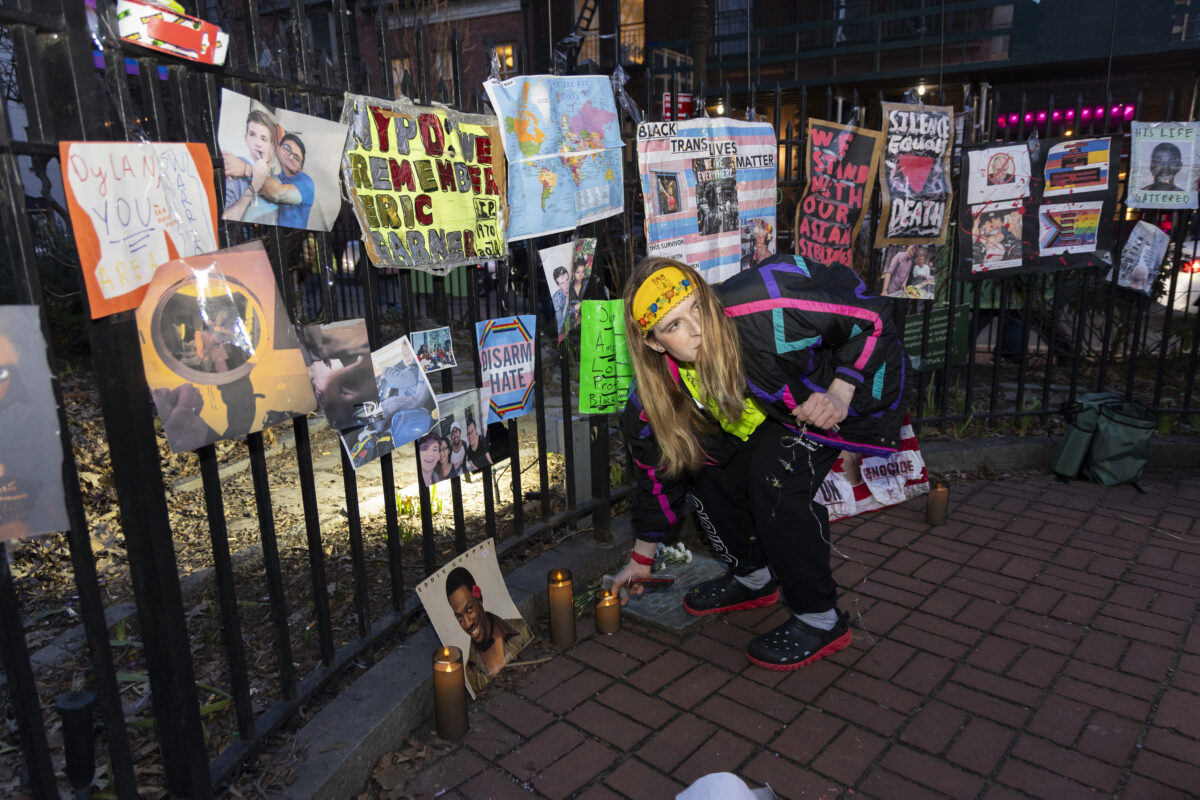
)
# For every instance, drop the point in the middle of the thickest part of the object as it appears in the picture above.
(1038, 645)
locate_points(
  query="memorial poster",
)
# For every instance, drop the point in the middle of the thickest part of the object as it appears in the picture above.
(1164, 165)
(426, 183)
(710, 192)
(562, 137)
(1142, 257)
(133, 207)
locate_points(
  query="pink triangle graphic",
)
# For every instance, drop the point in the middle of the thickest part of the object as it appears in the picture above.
(916, 169)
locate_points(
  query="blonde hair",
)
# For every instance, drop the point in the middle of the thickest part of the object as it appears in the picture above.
(673, 415)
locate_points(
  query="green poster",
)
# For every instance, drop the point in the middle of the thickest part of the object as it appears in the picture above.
(935, 353)
(605, 371)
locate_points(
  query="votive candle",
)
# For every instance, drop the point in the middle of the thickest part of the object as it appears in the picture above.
(562, 608)
(937, 507)
(449, 693)
(608, 613)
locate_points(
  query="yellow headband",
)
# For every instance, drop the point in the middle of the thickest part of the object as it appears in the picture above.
(658, 294)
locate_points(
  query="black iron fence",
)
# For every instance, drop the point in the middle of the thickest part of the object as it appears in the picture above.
(327, 594)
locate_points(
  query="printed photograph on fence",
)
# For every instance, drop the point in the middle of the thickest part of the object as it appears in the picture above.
(31, 486)
(842, 161)
(221, 356)
(915, 204)
(1164, 166)
(1068, 227)
(557, 267)
(908, 271)
(605, 369)
(133, 207)
(427, 184)
(562, 136)
(506, 355)
(406, 408)
(710, 192)
(338, 357)
(1077, 166)
(997, 172)
(435, 349)
(993, 236)
(458, 424)
(281, 167)
(470, 608)
(1142, 257)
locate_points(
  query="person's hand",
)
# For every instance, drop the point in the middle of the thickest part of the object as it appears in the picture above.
(258, 174)
(824, 410)
(633, 570)
(234, 166)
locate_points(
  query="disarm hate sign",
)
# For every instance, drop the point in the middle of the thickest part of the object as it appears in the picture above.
(426, 184)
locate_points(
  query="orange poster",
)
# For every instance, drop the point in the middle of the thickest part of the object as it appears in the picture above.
(134, 206)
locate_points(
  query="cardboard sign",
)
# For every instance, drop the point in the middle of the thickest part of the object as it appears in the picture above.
(842, 161)
(605, 369)
(426, 184)
(918, 141)
(135, 206)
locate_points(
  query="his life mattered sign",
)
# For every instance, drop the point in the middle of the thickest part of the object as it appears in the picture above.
(134, 206)
(842, 161)
(1164, 165)
(918, 141)
(710, 192)
(605, 369)
(427, 184)
(506, 356)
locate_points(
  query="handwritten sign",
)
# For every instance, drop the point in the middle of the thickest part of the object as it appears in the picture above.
(506, 356)
(916, 174)
(1165, 165)
(842, 161)
(605, 370)
(426, 184)
(134, 206)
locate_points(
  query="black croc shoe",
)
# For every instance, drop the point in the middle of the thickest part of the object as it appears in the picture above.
(727, 594)
(794, 644)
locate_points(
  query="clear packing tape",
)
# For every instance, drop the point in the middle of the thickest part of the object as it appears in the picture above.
(618, 79)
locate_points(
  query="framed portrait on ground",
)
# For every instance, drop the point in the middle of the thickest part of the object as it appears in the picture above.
(470, 607)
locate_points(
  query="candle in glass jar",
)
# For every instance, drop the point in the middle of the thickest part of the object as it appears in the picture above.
(449, 693)
(938, 504)
(562, 608)
(608, 613)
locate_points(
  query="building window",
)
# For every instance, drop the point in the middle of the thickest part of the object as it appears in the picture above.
(507, 54)
(633, 32)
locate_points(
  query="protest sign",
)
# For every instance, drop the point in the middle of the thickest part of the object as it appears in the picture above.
(155, 26)
(134, 206)
(1077, 166)
(1164, 165)
(605, 370)
(281, 167)
(710, 192)
(220, 355)
(562, 137)
(426, 184)
(506, 356)
(918, 140)
(842, 161)
(406, 410)
(31, 474)
(1142, 257)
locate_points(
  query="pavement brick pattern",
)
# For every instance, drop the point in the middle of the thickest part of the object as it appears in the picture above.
(1041, 644)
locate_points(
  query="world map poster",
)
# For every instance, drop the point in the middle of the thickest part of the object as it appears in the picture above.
(562, 137)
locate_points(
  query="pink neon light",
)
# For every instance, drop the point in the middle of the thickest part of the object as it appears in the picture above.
(1128, 112)
(1041, 116)
(1002, 122)
(1087, 112)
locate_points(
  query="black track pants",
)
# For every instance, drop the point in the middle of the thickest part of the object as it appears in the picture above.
(759, 510)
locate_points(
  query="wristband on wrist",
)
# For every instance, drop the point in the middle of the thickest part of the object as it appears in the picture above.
(638, 558)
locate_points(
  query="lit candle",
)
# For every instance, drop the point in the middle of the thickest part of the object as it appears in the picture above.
(939, 501)
(608, 613)
(449, 693)
(562, 608)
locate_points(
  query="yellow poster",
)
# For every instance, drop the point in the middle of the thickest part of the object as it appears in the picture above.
(426, 183)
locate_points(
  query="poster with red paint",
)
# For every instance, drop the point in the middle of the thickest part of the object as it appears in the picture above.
(427, 184)
(842, 161)
(918, 140)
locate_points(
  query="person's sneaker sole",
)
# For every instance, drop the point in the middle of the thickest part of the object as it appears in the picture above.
(840, 643)
(758, 602)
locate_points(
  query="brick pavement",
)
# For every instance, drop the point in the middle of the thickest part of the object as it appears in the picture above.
(1039, 645)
